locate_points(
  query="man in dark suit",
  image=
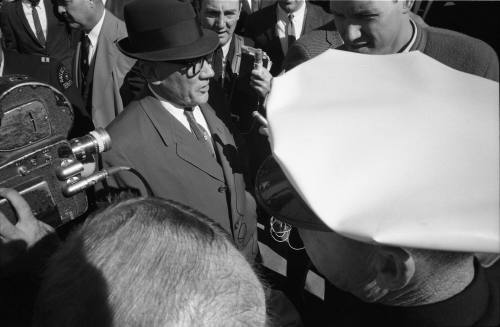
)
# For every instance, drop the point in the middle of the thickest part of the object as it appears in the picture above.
(53, 72)
(231, 67)
(172, 136)
(275, 28)
(99, 68)
(36, 28)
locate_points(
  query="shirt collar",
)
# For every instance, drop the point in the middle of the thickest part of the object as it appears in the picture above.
(298, 15)
(39, 5)
(166, 104)
(225, 49)
(94, 32)
(410, 44)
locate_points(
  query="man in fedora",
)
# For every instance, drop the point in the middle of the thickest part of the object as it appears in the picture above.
(172, 137)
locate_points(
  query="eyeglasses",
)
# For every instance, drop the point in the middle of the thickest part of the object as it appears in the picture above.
(193, 67)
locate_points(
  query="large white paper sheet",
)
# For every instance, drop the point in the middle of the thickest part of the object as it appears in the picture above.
(394, 149)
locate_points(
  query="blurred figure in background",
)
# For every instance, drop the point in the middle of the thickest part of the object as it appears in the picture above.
(275, 28)
(36, 28)
(99, 68)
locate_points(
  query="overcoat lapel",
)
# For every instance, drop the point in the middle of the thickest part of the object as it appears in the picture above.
(308, 24)
(274, 40)
(175, 135)
(222, 142)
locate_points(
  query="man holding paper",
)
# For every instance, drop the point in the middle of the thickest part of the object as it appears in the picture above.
(405, 176)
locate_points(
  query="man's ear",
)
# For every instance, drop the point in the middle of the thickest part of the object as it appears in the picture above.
(407, 4)
(395, 267)
(147, 71)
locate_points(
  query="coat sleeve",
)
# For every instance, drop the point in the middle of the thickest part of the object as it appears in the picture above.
(295, 56)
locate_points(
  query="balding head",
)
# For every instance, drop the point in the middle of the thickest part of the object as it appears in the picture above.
(150, 262)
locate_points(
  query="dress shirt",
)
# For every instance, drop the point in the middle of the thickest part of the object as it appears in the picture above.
(178, 113)
(281, 24)
(94, 37)
(40, 8)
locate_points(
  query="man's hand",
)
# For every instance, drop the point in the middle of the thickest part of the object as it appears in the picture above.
(261, 80)
(17, 239)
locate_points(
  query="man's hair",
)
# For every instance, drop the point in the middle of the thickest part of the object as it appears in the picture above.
(150, 262)
(440, 261)
(197, 5)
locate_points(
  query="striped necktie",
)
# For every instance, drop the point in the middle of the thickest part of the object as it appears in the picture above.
(38, 25)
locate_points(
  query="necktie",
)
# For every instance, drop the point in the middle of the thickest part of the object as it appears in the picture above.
(198, 130)
(255, 5)
(290, 31)
(84, 58)
(38, 25)
(218, 66)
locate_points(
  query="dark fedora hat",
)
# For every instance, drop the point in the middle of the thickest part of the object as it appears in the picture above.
(165, 30)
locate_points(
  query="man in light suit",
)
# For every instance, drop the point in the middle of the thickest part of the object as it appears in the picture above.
(99, 68)
(172, 137)
(271, 30)
(49, 37)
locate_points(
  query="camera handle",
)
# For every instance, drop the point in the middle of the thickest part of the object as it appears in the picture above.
(72, 189)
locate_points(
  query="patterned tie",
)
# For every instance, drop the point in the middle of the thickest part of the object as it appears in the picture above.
(38, 26)
(84, 58)
(218, 66)
(290, 31)
(200, 132)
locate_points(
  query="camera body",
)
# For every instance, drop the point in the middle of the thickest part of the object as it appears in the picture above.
(36, 159)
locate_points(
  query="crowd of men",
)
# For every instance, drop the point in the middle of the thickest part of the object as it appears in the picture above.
(173, 84)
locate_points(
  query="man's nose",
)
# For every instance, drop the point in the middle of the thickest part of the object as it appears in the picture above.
(352, 33)
(207, 71)
(220, 22)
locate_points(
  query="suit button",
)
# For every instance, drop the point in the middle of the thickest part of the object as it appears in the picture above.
(222, 189)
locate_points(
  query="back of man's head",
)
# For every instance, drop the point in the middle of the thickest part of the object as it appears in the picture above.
(388, 275)
(150, 262)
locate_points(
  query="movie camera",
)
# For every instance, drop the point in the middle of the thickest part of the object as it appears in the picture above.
(37, 159)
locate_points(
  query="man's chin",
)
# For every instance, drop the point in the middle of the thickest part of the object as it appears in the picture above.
(74, 25)
(223, 39)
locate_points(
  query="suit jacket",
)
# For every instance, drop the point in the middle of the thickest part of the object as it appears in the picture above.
(106, 75)
(235, 96)
(311, 45)
(261, 27)
(18, 35)
(178, 167)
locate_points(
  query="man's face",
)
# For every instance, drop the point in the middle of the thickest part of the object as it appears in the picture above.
(221, 17)
(181, 86)
(290, 6)
(371, 27)
(78, 13)
(344, 262)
